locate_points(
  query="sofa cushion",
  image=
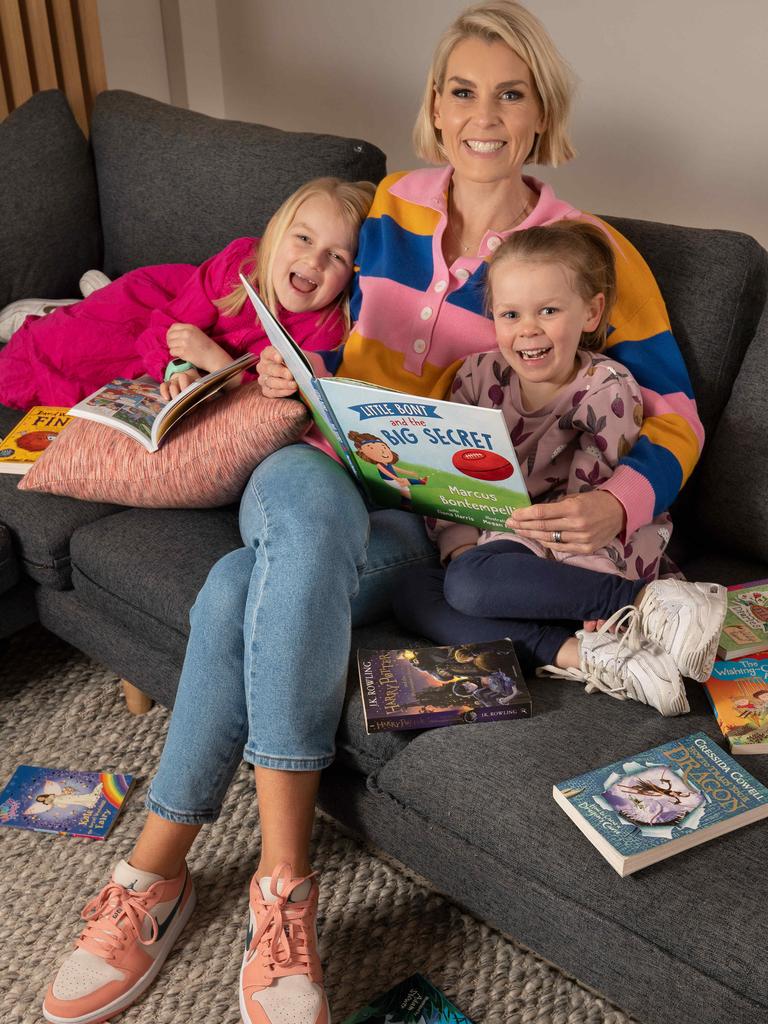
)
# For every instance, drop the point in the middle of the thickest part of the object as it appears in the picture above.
(176, 185)
(714, 285)
(501, 775)
(42, 524)
(733, 484)
(145, 566)
(48, 202)
(9, 567)
(205, 462)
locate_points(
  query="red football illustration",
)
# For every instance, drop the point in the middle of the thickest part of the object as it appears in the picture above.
(35, 441)
(482, 465)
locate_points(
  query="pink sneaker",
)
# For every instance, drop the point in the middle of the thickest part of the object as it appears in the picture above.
(132, 925)
(281, 979)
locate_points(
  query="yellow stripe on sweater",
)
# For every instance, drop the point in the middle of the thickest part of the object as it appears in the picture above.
(671, 431)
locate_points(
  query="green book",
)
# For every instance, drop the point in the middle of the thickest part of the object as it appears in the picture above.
(413, 1001)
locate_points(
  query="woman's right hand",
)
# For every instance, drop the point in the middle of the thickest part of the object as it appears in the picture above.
(275, 379)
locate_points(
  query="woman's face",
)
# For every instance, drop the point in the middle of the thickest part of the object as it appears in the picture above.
(488, 111)
(314, 259)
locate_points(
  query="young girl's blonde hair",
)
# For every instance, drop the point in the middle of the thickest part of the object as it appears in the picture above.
(354, 200)
(510, 23)
(581, 248)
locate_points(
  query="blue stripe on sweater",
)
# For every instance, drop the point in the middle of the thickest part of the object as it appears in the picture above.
(655, 363)
(387, 250)
(660, 468)
(472, 295)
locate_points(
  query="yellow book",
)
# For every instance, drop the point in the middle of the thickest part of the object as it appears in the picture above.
(31, 436)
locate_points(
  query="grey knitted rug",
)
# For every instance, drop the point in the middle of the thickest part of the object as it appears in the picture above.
(379, 922)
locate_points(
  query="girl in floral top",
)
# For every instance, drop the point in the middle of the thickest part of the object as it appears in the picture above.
(572, 414)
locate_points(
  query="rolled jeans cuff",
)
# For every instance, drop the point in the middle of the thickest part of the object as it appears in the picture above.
(287, 764)
(181, 817)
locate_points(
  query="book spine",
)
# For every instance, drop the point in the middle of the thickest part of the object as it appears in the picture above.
(338, 432)
(522, 710)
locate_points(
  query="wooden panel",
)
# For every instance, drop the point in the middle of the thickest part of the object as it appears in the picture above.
(15, 52)
(69, 64)
(4, 105)
(44, 66)
(93, 55)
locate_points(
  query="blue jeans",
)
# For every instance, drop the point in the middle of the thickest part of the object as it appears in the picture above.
(265, 670)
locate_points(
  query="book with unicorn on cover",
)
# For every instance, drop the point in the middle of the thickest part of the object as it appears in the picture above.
(72, 803)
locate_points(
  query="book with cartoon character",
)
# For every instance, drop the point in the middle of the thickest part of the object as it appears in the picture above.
(414, 1001)
(642, 809)
(738, 693)
(426, 687)
(425, 455)
(20, 449)
(745, 629)
(73, 803)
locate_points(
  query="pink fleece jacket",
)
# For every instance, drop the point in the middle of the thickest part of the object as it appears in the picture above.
(119, 331)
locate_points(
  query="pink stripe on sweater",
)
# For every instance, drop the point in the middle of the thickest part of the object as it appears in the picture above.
(685, 407)
(635, 494)
(387, 316)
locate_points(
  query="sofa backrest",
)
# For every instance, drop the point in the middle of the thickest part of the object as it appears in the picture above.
(175, 186)
(49, 213)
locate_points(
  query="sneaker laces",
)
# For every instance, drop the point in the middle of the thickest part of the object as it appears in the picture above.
(115, 916)
(626, 618)
(280, 940)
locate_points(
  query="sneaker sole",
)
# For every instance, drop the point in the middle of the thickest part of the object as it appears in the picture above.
(129, 997)
(697, 662)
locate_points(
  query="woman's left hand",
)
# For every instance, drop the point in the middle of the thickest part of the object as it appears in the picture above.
(584, 522)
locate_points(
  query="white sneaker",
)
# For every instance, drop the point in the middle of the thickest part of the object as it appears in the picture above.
(92, 281)
(13, 316)
(685, 619)
(626, 666)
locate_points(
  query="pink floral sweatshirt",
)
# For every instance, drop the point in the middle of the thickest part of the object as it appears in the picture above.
(572, 444)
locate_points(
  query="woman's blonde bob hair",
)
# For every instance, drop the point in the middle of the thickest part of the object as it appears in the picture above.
(353, 198)
(508, 22)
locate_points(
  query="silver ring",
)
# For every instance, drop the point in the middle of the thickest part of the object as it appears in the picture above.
(556, 536)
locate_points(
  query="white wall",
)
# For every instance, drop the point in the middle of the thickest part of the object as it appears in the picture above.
(671, 119)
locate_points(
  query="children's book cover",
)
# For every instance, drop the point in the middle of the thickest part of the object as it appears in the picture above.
(428, 456)
(31, 436)
(738, 692)
(428, 687)
(745, 629)
(74, 803)
(665, 800)
(414, 1001)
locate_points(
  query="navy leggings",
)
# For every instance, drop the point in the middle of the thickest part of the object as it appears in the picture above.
(504, 589)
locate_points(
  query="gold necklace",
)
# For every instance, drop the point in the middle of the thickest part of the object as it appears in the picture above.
(524, 209)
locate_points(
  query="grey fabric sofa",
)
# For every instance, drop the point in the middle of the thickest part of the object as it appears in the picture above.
(469, 807)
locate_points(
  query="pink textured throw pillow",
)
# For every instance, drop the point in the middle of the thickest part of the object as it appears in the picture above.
(204, 462)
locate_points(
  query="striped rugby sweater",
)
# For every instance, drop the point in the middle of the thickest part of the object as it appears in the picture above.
(417, 320)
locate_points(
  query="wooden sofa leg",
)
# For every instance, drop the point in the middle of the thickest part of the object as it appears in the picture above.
(137, 702)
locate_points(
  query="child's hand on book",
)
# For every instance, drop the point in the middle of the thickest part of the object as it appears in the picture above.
(185, 341)
(170, 388)
(275, 378)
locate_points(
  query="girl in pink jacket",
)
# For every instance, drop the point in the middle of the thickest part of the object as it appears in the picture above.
(198, 316)
(572, 414)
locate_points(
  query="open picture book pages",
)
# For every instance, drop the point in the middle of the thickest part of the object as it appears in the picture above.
(738, 692)
(429, 456)
(414, 1001)
(31, 436)
(652, 805)
(745, 629)
(137, 408)
(309, 387)
(428, 687)
(84, 804)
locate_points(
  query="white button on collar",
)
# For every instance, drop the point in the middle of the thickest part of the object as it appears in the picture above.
(462, 273)
(440, 286)
(426, 313)
(419, 345)
(494, 242)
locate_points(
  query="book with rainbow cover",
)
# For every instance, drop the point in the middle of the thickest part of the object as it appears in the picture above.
(68, 802)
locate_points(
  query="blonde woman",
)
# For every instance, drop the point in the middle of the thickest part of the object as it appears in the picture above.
(266, 666)
(177, 321)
